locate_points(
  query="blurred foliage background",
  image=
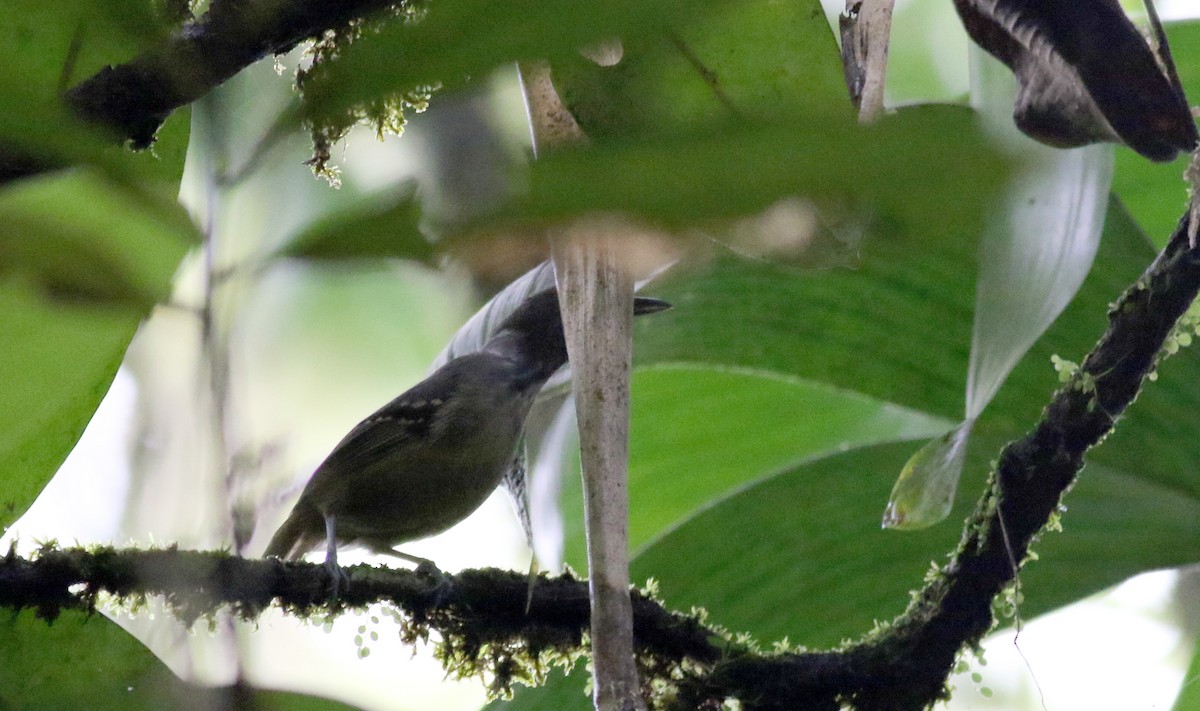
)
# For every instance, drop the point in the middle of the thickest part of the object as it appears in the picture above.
(217, 317)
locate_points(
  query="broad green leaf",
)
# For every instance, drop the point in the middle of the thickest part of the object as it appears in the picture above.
(1154, 193)
(831, 572)
(59, 359)
(754, 316)
(384, 225)
(1138, 452)
(82, 261)
(898, 327)
(865, 330)
(800, 555)
(1034, 254)
(699, 432)
(83, 661)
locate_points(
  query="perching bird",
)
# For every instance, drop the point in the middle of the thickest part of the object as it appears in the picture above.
(429, 458)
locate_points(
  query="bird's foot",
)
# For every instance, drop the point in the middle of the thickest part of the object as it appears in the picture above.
(339, 579)
(443, 583)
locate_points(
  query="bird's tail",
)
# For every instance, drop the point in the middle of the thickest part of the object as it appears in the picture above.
(298, 535)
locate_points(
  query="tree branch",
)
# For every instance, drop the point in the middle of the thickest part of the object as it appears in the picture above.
(480, 615)
(134, 98)
(481, 618)
(906, 665)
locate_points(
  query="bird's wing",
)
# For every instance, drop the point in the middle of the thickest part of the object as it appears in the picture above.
(408, 417)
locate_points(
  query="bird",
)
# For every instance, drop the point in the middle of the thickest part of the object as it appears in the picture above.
(430, 457)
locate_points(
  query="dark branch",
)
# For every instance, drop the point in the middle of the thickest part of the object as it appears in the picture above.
(906, 666)
(480, 614)
(133, 99)
(475, 612)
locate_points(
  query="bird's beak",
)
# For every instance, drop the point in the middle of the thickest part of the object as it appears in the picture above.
(643, 305)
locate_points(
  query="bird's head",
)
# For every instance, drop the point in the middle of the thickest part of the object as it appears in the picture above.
(535, 330)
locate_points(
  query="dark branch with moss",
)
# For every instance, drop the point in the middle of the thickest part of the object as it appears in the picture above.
(481, 619)
(480, 616)
(906, 665)
(133, 99)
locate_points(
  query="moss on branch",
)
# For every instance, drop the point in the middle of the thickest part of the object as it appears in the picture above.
(480, 615)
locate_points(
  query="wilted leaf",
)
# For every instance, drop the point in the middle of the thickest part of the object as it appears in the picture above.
(1036, 250)
(1154, 193)
(1085, 74)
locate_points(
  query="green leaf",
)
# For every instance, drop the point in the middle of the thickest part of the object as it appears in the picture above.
(898, 328)
(80, 235)
(383, 225)
(83, 661)
(1149, 448)
(907, 346)
(83, 261)
(800, 554)
(866, 330)
(832, 571)
(681, 412)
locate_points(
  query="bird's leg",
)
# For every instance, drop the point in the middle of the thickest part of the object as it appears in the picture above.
(339, 580)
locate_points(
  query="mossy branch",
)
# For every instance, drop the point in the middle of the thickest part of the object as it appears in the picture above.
(134, 98)
(480, 615)
(906, 664)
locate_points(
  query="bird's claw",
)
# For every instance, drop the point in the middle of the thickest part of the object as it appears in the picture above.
(443, 583)
(339, 580)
